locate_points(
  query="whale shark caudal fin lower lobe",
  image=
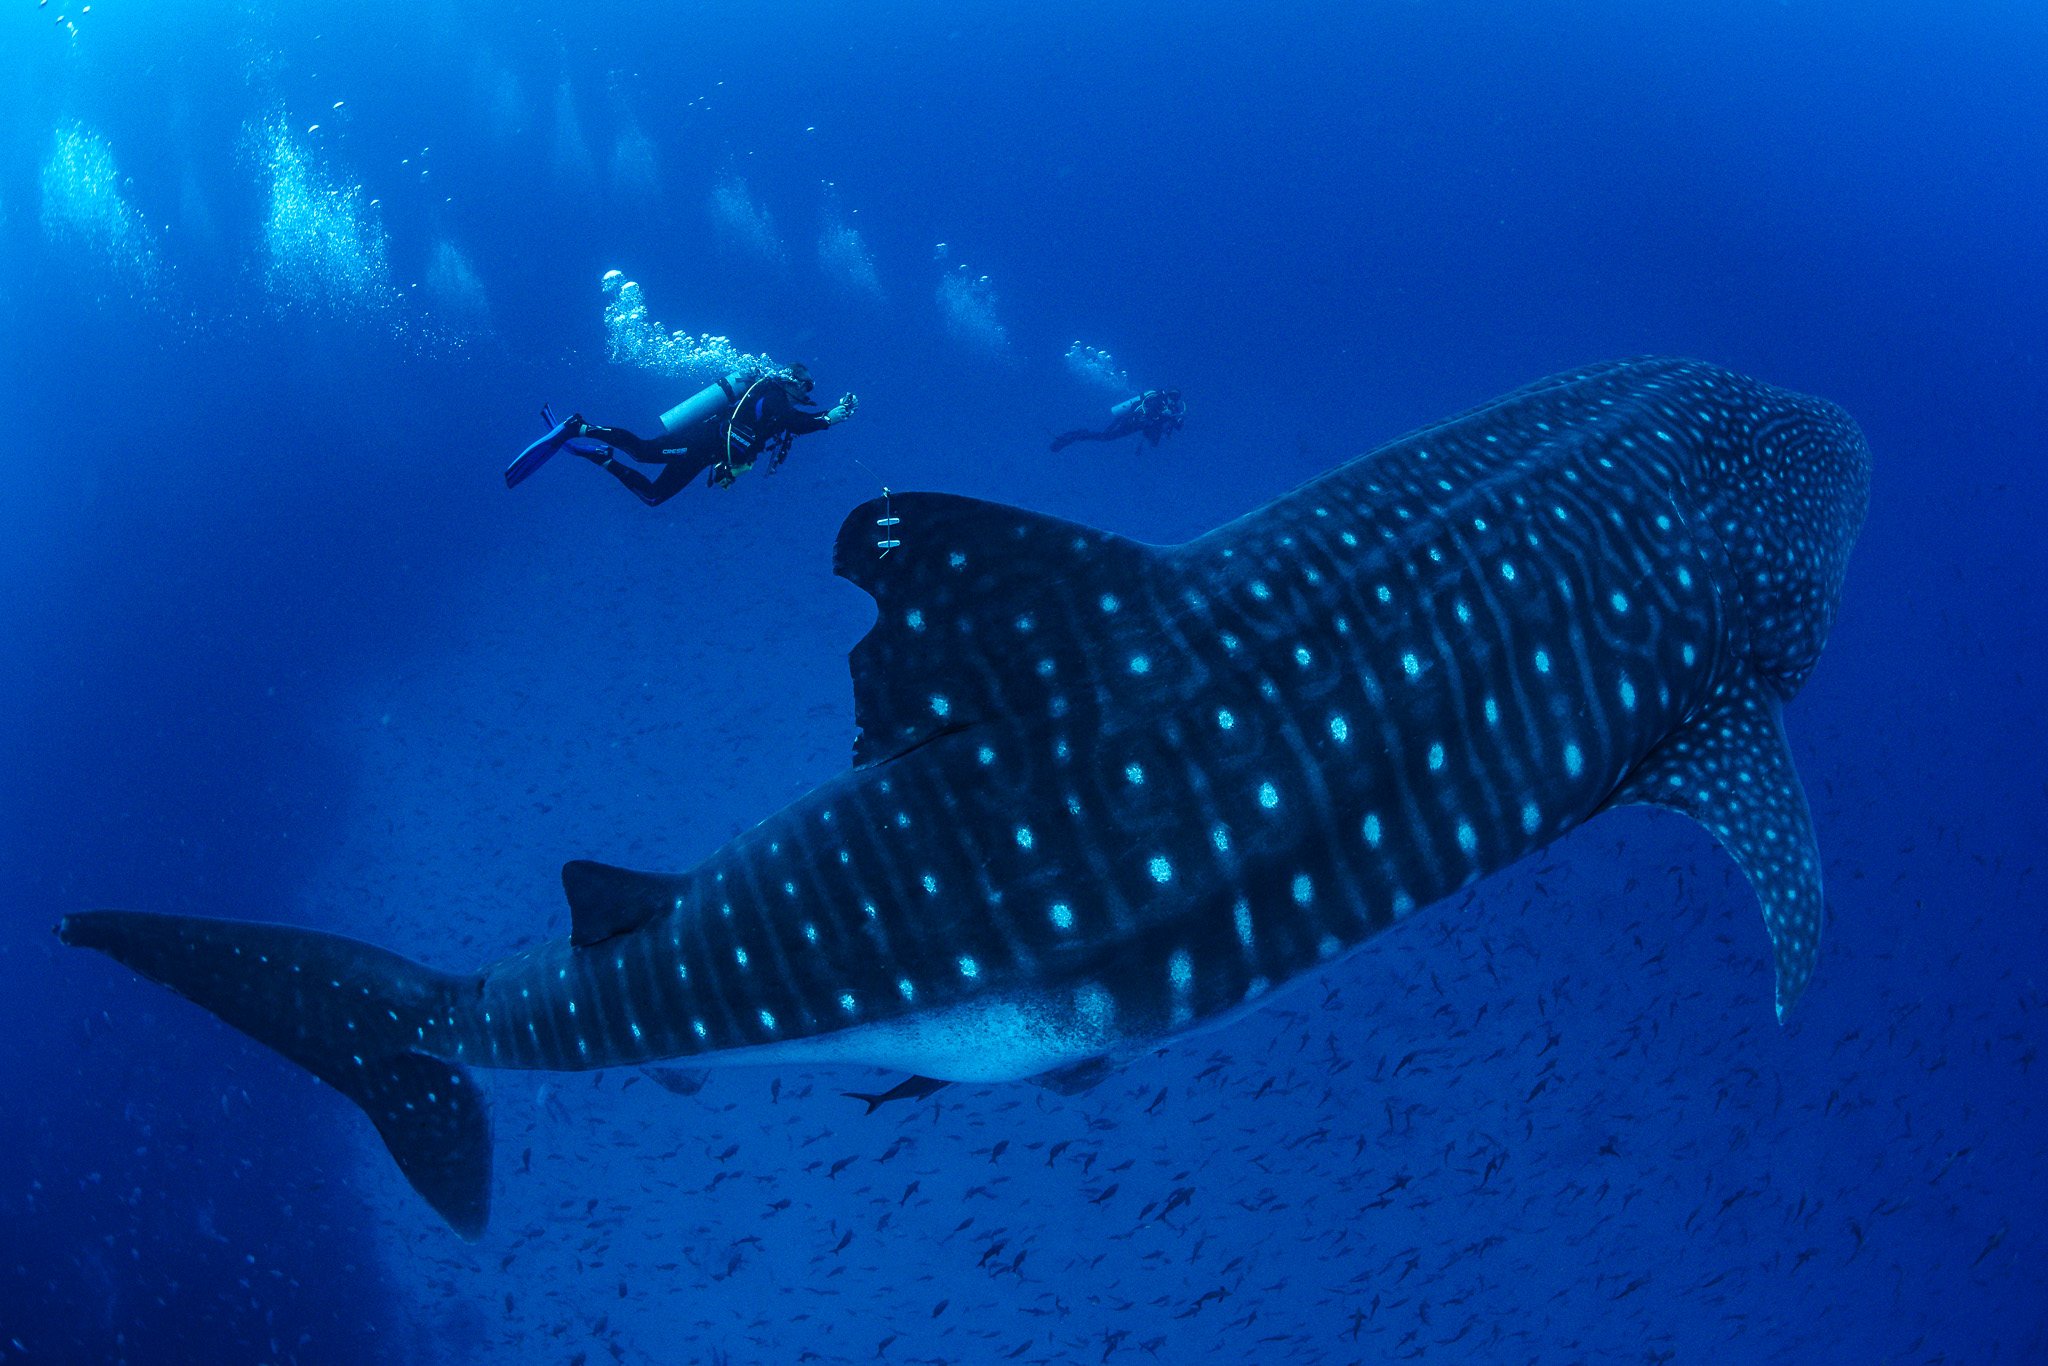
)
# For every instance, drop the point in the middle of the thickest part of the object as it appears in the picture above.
(351, 1014)
(983, 611)
(1728, 768)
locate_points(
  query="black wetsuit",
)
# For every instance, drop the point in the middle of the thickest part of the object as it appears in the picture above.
(1155, 416)
(727, 443)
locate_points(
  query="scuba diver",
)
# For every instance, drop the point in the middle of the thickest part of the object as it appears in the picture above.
(726, 427)
(1155, 415)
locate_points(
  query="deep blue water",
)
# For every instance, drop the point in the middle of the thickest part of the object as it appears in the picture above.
(281, 288)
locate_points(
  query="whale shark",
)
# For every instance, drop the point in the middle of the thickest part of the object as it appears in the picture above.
(1105, 792)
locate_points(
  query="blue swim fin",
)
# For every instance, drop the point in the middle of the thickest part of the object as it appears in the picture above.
(538, 454)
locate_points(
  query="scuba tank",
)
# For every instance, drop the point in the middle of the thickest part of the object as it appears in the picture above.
(1168, 406)
(712, 401)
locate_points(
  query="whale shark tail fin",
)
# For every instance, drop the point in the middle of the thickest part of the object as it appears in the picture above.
(1729, 769)
(360, 1018)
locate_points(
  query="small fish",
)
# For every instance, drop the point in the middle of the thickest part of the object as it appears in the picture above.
(910, 1088)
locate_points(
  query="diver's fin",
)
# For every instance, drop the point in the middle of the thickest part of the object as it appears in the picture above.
(538, 454)
(606, 901)
(1728, 768)
(1075, 1078)
(986, 611)
(352, 1014)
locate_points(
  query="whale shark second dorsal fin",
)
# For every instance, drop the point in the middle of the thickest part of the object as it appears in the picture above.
(1728, 768)
(984, 611)
(605, 901)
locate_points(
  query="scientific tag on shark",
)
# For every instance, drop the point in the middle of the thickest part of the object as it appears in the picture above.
(1105, 792)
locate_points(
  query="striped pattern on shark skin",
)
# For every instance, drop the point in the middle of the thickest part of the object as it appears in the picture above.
(1105, 792)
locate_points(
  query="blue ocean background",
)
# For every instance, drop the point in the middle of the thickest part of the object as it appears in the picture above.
(282, 288)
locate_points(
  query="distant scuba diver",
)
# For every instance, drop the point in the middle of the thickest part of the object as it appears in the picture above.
(725, 427)
(1155, 415)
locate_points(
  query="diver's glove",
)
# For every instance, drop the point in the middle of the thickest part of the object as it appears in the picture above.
(843, 409)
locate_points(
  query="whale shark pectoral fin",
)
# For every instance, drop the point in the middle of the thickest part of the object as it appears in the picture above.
(605, 901)
(1729, 769)
(1075, 1078)
(983, 611)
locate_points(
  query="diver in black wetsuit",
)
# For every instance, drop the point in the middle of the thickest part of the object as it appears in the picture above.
(725, 428)
(1155, 415)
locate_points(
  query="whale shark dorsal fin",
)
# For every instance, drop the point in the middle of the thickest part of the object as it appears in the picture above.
(605, 901)
(1729, 769)
(984, 611)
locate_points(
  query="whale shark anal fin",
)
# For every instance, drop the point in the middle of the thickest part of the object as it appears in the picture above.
(605, 901)
(983, 611)
(1075, 1078)
(1729, 769)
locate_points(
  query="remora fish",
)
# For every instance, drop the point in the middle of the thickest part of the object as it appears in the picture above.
(1104, 792)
